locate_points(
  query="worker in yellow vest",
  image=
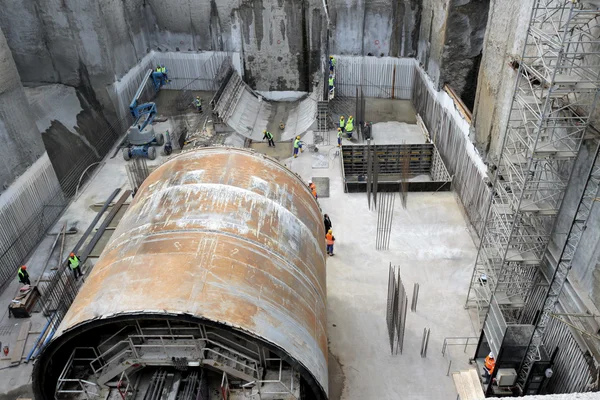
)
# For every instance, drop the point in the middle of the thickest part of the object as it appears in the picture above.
(339, 136)
(330, 83)
(350, 126)
(23, 275)
(74, 264)
(342, 123)
(297, 146)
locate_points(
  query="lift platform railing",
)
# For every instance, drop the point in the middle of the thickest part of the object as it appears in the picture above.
(134, 346)
(250, 387)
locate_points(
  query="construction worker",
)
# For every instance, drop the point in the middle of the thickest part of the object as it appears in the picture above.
(331, 63)
(313, 189)
(339, 136)
(327, 222)
(23, 275)
(342, 123)
(74, 264)
(490, 363)
(330, 82)
(350, 126)
(269, 136)
(297, 146)
(198, 104)
(329, 239)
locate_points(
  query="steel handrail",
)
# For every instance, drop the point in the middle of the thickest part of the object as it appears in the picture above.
(465, 338)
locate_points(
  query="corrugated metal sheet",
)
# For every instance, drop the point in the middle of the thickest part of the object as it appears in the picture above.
(385, 77)
(222, 234)
(194, 71)
(454, 147)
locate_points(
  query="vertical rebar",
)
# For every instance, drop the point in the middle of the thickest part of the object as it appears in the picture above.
(415, 297)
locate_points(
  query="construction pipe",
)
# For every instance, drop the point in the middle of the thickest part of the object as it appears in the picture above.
(217, 236)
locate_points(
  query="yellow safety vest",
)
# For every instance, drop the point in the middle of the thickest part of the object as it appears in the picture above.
(73, 262)
(350, 125)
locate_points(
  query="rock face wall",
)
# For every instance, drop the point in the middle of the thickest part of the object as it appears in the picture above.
(21, 141)
(451, 43)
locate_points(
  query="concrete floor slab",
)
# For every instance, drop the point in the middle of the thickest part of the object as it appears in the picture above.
(431, 244)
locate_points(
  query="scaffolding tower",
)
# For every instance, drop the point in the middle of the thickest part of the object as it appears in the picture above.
(555, 93)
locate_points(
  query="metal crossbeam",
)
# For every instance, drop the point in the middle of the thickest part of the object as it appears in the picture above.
(556, 91)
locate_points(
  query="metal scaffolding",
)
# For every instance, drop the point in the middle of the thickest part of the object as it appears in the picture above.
(555, 93)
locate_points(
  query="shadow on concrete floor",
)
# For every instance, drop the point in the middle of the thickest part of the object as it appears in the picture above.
(337, 379)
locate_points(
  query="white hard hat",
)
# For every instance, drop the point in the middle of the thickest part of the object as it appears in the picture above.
(309, 182)
(491, 355)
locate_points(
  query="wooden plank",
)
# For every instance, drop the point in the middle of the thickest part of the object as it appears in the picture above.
(19, 347)
(479, 394)
(458, 383)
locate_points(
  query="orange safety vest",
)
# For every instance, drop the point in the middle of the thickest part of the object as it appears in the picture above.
(490, 364)
(314, 193)
(329, 238)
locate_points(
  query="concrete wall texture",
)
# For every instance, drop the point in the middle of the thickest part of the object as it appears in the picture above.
(21, 141)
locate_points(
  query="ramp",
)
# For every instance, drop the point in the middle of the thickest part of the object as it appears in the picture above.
(242, 109)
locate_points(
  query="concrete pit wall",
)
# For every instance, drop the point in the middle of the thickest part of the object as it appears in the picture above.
(375, 27)
(282, 40)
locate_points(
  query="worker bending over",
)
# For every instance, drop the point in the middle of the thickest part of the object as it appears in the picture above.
(198, 104)
(23, 275)
(74, 264)
(330, 239)
(269, 136)
(350, 126)
(297, 146)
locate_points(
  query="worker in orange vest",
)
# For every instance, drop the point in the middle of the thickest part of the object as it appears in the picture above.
(313, 188)
(329, 239)
(490, 363)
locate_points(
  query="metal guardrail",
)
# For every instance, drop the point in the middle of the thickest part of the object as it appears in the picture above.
(258, 383)
(465, 339)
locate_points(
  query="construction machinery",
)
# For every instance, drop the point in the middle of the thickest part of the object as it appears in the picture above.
(141, 138)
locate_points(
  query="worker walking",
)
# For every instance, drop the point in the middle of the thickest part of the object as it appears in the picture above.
(74, 264)
(23, 275)
(339, 137)
(198, 104)
(332, 62)
(329, 239)
(327, 222)
(342, 123)
(269, 136)
(350, 126)
(297, 146)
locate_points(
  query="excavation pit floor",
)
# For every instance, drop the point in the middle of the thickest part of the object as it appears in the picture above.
(429, 241)
(431, 244)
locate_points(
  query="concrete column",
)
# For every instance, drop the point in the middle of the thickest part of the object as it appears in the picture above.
(20, 141)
